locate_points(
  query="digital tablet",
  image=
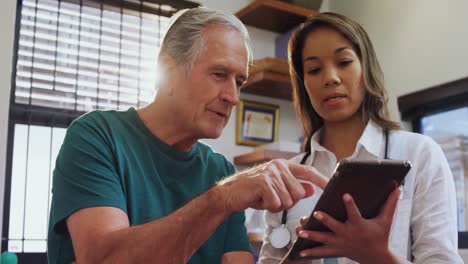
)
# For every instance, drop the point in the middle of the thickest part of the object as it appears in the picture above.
(369, 182)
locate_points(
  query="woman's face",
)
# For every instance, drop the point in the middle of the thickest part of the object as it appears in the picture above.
(332, 75)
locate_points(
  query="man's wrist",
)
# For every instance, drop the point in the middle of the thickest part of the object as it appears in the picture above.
(217, 198)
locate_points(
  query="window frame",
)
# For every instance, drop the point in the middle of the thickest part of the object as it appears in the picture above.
(52, 117)
(436, 99)
(440, 98)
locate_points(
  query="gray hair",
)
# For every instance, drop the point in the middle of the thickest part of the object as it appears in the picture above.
(184, 40)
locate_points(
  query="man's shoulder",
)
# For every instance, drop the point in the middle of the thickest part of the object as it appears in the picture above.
(100, 120)
(207, 150)
(99, 116)
(98, 127)
(209, 153)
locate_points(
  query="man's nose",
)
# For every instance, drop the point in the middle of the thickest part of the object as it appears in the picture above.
(230, 93)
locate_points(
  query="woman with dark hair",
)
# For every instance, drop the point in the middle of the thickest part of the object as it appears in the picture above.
(341, 102)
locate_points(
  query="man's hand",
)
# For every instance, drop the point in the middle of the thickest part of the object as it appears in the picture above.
(273, 186)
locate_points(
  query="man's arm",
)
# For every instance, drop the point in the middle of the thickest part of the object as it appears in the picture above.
(103, 234)
(237, 257)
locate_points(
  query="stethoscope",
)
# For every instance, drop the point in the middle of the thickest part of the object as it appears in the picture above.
(280, 236)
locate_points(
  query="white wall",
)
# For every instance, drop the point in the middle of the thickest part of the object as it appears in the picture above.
(263, 45)
(7, 27)
(262, 41)
(420, 43)
(325, 7)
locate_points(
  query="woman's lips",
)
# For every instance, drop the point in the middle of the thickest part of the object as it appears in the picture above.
(334, 99)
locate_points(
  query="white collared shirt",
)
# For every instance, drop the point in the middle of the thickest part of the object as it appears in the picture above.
(427, 209)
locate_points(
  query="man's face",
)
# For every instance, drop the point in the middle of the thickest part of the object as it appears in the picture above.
(211, 87)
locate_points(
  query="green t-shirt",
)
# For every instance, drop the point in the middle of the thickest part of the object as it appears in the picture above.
(109, 158)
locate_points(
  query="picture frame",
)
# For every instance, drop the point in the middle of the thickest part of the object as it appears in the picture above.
(257, 123)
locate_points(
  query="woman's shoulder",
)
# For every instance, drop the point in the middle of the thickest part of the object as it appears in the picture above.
(412, 139)
(416, 146)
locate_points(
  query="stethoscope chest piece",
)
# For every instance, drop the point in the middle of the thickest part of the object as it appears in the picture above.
(280, 237)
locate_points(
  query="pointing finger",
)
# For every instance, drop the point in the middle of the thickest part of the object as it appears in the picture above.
(308, 173)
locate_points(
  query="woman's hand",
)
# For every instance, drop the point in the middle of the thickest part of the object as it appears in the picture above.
(359, 239)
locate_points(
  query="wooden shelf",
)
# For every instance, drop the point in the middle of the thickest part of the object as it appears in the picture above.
(261, 156)
(273, 15)
(271, 84)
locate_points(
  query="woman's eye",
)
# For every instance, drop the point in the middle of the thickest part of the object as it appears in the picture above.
(313, 71)
(345, 63)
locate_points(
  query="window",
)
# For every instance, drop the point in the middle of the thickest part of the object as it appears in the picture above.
(450, 130)
(71, 58)
(83, 58)
(441, 112)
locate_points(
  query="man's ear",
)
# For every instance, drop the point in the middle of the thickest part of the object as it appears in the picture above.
(166, 64)
(170, 72)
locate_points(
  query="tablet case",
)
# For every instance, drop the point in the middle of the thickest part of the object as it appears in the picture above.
(369, 182)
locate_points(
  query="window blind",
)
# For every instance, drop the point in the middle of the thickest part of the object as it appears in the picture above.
(81, 58)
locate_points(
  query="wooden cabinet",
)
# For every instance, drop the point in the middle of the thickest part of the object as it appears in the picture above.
(273, 15)
(269, 77)
(277, 16)
(268, 83)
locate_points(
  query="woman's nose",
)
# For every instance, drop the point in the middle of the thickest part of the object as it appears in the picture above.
(331, 78)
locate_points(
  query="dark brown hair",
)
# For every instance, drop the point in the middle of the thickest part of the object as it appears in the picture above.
(374, 106)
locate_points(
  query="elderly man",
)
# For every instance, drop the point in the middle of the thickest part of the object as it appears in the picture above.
(136, 186)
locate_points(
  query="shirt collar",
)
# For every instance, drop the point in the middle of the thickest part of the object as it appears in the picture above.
(315, 144)
(372, 140)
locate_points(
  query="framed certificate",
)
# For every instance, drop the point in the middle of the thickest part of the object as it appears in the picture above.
(257, 123)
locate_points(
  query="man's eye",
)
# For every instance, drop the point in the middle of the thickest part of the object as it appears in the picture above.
(219, 75)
